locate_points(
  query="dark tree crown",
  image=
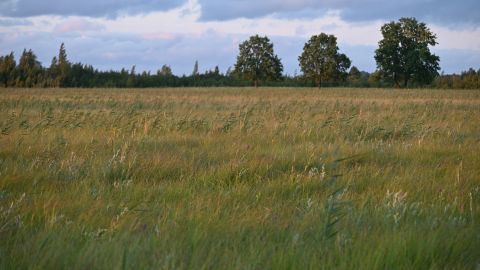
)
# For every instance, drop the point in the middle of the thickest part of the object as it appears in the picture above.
(403, 55)
(257, 61)
(320, 60)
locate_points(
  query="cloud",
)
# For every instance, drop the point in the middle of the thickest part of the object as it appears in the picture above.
(96, 8)
(445, 12)
(158, 36)
(178, 37)
(8, 22)
(442, 12)
(77, 24)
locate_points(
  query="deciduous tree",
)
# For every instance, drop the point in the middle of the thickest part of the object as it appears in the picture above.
(404, 56)
(257, 61)
(320, 60)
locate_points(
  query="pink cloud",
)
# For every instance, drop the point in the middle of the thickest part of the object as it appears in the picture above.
(158, 36)
(77, 25)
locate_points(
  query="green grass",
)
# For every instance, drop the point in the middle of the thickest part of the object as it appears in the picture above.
(239, 179)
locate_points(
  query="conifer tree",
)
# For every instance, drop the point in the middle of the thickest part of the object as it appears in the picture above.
(7, 70)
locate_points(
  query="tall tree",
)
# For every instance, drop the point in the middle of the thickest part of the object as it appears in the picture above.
(7, 70)
(229, 72)
(132, 78)
(53, 72)
(404, 56)
(195, 71)
(320, 60)
(165, 71)
(257, 61)
(64, 67)
(29, 69)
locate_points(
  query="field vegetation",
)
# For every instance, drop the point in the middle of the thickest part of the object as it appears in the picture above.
(239, 179)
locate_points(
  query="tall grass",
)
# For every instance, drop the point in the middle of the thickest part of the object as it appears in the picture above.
(239, 179)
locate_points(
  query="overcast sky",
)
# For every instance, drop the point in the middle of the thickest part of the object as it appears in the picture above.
(111, 34)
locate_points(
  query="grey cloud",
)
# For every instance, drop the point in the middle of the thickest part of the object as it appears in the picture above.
(14, 22)
(444, 12)
(96, 8)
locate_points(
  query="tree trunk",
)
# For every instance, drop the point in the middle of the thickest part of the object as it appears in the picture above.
(405, 82)
(255, 82)
(395, 80)
(319, 83)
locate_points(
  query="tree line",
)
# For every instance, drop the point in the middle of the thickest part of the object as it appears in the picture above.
(403, 59)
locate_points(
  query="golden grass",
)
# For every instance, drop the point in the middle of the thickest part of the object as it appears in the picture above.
(233, 178)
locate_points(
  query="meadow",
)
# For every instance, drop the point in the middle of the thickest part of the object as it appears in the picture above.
(232, 178)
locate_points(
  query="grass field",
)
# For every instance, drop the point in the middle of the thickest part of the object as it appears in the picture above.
(239, 179)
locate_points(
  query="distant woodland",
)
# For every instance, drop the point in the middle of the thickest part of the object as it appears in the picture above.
(403, 60)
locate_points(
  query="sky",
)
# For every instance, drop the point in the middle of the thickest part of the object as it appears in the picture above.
(115, 34)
